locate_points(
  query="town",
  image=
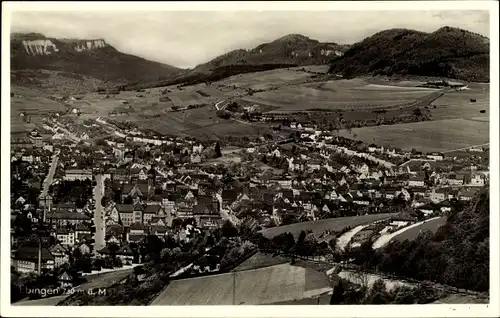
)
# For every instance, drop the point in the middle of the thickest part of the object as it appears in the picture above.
(89, 199)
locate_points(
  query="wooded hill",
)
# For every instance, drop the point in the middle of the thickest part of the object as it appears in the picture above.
(447, 52)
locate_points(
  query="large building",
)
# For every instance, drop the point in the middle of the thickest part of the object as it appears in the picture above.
(25, 260)
(78, 174)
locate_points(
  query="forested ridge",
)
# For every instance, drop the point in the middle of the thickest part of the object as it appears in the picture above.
(447, 52)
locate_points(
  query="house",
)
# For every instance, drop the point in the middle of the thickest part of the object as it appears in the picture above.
(124, 252)
(65, 236)
(151, 211)
(138, 213)
(372, 148)
(196, 158)
(419, 191)
(197, 149)
(25, 260)
(364, 169)
(438, 195)
(184, 210)
(143, 175)
(62, 218)
(314, 165)
(78, 174)
(137, 232)
(84, 248)
(477, 180)
(456, 179)
(65, 280)
(426, 209)
(445, 206)
(20, 200)
(435, 156)
(126, 213)
(60, 254)
(209, 221)
(136, 190)
(416, 181)
(283, 183)
(112, 216)
(466, 195)
(82, 232)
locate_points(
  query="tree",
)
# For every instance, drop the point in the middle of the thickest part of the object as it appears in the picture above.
(338, 294)
(218, 152)
(404, 295)
(228, 229)
(378, 294)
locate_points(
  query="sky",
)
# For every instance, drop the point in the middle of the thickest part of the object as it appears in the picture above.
(186, 39)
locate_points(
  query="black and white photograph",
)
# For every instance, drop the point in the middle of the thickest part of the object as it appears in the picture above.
(174, 155)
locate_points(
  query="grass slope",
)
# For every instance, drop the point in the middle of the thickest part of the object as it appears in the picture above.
(447, 52)
(318, 227)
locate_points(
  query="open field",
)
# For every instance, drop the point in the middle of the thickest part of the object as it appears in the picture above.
(267, 79)
(260, 260)
(385, 238)
(412, 233)
(340, 94)
(428, 136)
(458, 104)
(456, 123)
(18, 126)
(292, 90)
(252, 287)
(33, 103)
(318, 227)
(56, 81)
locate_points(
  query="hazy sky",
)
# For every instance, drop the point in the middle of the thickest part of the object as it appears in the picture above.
(185, 39)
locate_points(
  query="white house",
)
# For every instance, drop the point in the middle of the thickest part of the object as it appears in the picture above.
(477, 180)
(417, 181)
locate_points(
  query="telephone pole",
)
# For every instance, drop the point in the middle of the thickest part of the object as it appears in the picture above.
(39, 255)
(234, 287)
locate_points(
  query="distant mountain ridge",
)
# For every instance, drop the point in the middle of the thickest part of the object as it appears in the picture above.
(448, 52)
(290, 49)
(90, 57)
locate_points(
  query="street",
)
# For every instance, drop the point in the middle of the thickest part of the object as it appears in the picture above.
(99, 213)
(50, 176)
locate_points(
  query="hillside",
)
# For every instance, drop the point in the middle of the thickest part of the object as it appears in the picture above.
(92, 58)
(290, 49)
(456, 255)
(447, 52)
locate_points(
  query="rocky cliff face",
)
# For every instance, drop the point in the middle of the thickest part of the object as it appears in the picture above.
(39, 47)
(45, 46)
(89, 45)
(93, 58)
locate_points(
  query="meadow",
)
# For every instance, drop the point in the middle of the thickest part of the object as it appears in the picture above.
(319, 226)
(267, 79)
(353, 94)
(427, 136)
(251, 287)
(288, 90)
(412, 233)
